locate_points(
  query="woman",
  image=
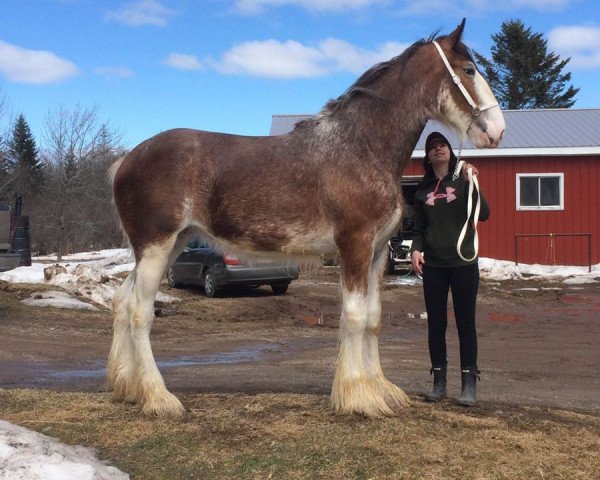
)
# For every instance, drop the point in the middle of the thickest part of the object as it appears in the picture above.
(440, 211)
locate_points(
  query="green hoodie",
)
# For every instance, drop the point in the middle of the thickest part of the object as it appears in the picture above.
(440, 212)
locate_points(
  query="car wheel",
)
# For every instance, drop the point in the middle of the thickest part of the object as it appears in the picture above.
(210, 286)
(171, 279)
(280, 288)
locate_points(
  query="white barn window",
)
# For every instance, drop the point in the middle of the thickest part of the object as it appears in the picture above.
(540, 191)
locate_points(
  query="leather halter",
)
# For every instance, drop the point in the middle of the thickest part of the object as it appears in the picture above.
(475, 109)
(473, 183)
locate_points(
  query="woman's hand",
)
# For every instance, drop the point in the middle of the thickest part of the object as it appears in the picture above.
(417, 261)
(465, 169)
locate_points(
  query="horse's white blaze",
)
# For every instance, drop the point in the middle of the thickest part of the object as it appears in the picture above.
(484, 131)
(490, 125)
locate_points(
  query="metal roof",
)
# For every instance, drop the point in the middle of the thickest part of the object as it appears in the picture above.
(544, 131)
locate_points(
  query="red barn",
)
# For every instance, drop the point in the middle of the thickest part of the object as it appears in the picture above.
(542, 184)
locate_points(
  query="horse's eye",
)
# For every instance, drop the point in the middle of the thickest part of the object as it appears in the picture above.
(469, 71)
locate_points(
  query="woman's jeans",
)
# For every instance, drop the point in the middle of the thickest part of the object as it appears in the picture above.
(464, 282)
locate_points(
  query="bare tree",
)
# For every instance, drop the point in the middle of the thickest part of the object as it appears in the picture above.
(74, 212)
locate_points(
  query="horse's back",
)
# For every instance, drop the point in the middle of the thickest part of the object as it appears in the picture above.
(237, 188)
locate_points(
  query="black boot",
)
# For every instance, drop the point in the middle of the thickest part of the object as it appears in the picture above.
(439, 384)
(469, 376)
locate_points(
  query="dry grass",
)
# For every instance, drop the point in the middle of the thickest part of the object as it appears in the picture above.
(297, 437)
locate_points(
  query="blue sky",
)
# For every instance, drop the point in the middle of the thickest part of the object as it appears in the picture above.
(228, 65)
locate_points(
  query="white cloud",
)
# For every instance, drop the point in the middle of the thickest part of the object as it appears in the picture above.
(118, 72)
(291, 59)
(581, 43)
(143, 12)
(274, 59)
(344, 56)
(426, 7)
(543, 5)
(181, 61)
(257, 6)
(33, 66)
(472, 8)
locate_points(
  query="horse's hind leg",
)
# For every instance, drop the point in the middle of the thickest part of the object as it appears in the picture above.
(121, 361)
(151, 391)
(394, 396)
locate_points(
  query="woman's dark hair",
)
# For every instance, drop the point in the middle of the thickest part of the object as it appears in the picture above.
(430, 174)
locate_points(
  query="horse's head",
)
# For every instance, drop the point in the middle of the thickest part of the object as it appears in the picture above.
(465, 100)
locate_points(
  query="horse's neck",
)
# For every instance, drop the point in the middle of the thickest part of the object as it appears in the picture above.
(382, 140)
(387, 132)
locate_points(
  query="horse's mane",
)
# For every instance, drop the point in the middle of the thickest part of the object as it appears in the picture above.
(364, 82)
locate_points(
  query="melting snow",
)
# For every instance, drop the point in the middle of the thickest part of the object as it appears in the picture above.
(27, 455)
(87, 275)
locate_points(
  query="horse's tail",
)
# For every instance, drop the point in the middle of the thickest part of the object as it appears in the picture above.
(111, 174)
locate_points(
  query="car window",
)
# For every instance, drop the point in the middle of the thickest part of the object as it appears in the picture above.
(196, 242)
(193, 242)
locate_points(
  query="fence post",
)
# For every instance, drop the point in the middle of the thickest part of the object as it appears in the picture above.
(552, 235)
(589, 253)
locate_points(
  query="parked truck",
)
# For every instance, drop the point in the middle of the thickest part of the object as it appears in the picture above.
(15, 249)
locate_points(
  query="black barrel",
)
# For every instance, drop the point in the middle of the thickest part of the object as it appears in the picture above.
(21, 242)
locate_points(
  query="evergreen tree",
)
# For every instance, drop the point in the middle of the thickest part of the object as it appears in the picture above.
(521, 72)
(24, 168)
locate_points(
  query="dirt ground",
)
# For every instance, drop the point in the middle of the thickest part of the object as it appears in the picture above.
(538, 341)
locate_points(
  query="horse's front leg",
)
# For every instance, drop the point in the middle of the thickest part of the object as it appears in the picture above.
(355, 388)
(394, 396)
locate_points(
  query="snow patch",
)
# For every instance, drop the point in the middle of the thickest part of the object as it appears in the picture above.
(58, 300)
(28, 455)
(88, 275)
(492, 269)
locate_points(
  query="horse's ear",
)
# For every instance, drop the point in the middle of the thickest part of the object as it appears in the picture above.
(456, 36)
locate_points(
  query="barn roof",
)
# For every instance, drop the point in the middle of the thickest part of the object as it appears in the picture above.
(528, 132)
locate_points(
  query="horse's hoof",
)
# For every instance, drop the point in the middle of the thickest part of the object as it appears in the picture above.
(121, 389)
(167, 405)
(373, 398)
(394, 396)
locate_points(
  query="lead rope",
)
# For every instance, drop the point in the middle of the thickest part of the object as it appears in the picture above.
(473, 184)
